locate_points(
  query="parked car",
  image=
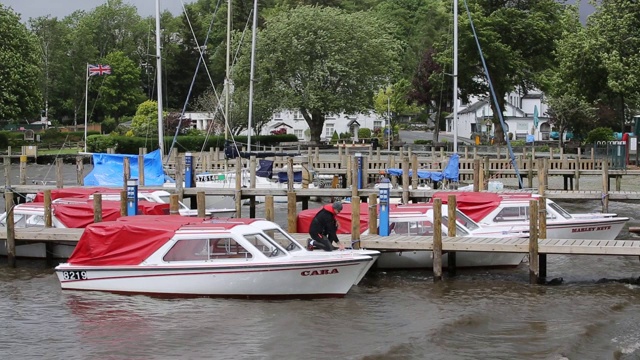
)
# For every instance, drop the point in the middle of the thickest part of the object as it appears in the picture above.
(568, 135)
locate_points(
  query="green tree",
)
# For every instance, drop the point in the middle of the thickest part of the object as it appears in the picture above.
(20, 94)
(324, 61)
(393, 102)
(145, 121)
(568, 112)
(120, 92)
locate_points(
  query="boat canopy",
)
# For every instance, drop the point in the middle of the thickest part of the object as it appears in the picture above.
(126, 242)
(76, 192)
(450, 173)
(475, 205)
(108, 168)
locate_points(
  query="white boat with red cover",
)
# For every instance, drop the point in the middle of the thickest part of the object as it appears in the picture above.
(492, 209)
(178, 256)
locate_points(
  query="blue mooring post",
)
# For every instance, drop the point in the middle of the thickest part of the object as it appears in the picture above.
(188, 170)
(132, 197)
(359, 162)
(383, 197)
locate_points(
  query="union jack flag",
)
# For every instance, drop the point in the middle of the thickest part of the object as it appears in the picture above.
(99, 70)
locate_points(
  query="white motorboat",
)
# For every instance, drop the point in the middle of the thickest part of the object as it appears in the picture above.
(180, 256)
(418, 221)
(491, 209)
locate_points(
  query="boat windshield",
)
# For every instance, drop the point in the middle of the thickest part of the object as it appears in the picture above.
(265, 245)
(283, 239)
(466, 221)
(564, 213)
(460, 231)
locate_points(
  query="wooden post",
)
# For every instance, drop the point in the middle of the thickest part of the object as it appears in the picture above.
(487, 173)
(414, 168)
(577, 173)
(80, 170)
(48, 219)
(97, 208)
(123, 203)
(238, 199)
(542, 234)
(545, 173)
(405, 180)
(126, 171)
(180, 176)
(292, 225)
(451, 232)
(373, 214)
(476, 174)
(59, 177)
(252, 171)
(605, 185)
(534, 269)
(10, 221)
(392, 164)
(530, 172)
(540, 171)
(269, 211)
(290, 174)
(23, 169)
(174, 206)
(141, 170)
(437, 240)
(201, 204)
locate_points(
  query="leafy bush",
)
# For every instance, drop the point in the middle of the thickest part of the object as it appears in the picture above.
(519, 142)
(423, 142)
(364, 133)
(600, 134)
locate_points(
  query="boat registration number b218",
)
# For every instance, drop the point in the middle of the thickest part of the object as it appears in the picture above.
(74, 275)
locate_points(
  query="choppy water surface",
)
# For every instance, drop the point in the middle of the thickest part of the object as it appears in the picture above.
(480, 314)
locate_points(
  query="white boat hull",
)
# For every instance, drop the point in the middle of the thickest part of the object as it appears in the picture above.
(331, 278)
(424, 259)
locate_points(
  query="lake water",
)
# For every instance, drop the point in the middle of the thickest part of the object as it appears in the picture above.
(480, 314)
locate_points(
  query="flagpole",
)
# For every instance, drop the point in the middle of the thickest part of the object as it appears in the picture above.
(86, 105)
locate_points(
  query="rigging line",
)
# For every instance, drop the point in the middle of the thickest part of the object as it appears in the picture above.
(493, 95)
(200, 61)
(55, 159)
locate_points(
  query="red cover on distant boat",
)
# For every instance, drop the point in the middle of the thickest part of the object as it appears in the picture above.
(76, 193)
(344, 219)
(127, 242)
(475, 205)
(79, 215)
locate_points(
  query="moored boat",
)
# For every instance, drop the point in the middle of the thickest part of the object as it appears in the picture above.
(178, 256)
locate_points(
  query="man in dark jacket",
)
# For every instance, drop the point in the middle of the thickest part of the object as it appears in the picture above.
(323, 228)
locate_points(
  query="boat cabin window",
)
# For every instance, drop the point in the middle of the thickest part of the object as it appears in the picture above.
(557, 208)
(520, 213)
(206, 249)
(283, 240)
(265, 245)
(420, 228)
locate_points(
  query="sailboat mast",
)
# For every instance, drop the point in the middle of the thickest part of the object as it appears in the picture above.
(159, 81)
(455, 76)
(227, 80)
(253, 66)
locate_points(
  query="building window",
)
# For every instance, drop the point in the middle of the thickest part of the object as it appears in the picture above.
(297, 116)
(299, 134)
(377, 124)
(328, 131)
(277, 115)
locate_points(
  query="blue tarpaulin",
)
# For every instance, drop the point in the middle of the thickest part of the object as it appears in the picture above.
(108, 169)
(451, 172)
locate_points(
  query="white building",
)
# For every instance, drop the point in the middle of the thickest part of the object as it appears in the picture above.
(476, 117)
(295, 124)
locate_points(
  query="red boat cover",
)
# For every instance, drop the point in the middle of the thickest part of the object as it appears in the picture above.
(128, 241)
(475, 205)
(344, 219)
(79, 215)
(76, 193)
